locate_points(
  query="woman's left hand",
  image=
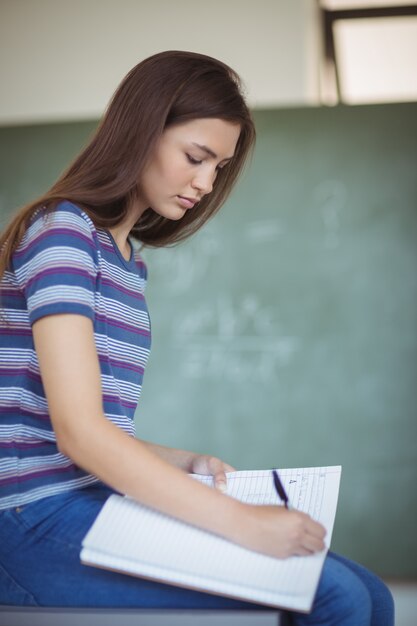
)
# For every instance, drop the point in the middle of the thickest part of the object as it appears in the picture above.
(212, 466)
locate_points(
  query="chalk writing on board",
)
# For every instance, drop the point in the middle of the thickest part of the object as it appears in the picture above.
(234, 338)
(331, 197)
(176, 270)
(263, 231)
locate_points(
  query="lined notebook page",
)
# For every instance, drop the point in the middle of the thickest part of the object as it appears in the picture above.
(131, 538)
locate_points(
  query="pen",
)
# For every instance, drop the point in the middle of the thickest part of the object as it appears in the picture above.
(279, 488)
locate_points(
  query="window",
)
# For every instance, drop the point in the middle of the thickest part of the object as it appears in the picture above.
(370, 51)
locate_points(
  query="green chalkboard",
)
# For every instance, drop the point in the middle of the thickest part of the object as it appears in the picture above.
(284, 333)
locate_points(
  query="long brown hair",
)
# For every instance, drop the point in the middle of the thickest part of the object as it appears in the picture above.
(165, 89)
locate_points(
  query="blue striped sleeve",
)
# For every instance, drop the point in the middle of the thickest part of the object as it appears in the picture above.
(56, 263)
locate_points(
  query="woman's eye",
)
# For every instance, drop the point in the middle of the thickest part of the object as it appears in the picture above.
(193, 160)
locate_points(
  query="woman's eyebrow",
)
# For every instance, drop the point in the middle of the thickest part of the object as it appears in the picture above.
(210, 152)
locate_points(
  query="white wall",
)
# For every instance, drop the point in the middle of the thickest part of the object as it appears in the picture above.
(62, 59)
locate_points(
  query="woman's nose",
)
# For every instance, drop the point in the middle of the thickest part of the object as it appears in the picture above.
(203, 181)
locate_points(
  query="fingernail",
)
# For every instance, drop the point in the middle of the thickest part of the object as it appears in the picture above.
(222, 486)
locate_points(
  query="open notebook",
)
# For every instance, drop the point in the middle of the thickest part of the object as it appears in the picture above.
(134, 539)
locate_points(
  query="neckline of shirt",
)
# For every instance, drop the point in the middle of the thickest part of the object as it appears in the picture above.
(129, 264)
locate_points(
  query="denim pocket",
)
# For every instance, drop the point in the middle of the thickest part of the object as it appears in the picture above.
(46, 509)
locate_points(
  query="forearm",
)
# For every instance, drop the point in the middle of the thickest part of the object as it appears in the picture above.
(183, 459)
(132, 468)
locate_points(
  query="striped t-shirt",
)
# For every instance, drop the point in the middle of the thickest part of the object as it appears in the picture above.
(64, 264)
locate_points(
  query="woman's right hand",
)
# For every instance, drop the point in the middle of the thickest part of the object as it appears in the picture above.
(278, 532)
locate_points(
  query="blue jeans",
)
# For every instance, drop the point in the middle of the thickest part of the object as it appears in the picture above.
(40, 566)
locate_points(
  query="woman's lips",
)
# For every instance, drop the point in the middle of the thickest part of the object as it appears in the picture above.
(187, 203)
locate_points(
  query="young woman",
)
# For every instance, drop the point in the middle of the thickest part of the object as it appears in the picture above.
(74, 340)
